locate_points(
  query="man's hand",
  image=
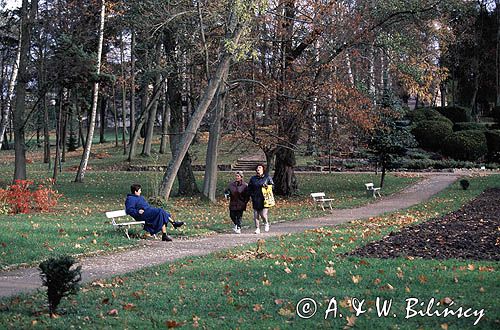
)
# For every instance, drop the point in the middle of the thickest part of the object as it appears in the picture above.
(141, 211)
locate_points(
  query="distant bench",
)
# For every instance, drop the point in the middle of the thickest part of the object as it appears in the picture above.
(371, 190)
(319, 199)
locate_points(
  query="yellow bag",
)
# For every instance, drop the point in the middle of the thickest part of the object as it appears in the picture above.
(268, 196)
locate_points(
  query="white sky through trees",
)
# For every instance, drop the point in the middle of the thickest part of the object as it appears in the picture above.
(11, 4)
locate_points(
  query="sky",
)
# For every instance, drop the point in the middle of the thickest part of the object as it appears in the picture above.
(12, 4)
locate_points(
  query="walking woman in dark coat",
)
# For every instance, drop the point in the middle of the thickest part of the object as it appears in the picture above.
(156, 219)
(261, 179)
(238, 199)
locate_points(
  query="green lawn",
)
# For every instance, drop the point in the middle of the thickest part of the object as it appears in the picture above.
(79, 226)
(241, 288)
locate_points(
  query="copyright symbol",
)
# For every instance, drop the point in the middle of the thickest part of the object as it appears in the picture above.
(306, 308)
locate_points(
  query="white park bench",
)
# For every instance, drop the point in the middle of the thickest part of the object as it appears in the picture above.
(371, 190)
(319, 199)
(114, 215)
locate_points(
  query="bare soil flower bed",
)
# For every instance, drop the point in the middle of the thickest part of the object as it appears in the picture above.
(472, 232)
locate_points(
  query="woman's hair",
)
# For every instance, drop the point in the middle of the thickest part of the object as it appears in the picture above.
(263, 167)
(240, 173)
(135, 187)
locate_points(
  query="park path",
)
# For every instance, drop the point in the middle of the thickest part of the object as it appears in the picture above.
(157, 252)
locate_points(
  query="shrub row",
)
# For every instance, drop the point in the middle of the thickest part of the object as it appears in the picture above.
(421, 114)
(453, 114)
(424, 164)
(466, 126)
(465, 145)
(434, 130)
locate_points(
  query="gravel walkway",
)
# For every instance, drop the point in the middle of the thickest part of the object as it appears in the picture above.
(157, 252)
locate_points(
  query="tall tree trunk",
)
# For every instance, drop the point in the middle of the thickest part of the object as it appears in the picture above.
(124, 94)
(284, 175)
(115, 113)
(28, 14)
(140, 123)
(132, 84)
(103, 109)
(80, 175)
(185, 175)
(148, 139)
(64, 132)
(194, 123)
(497, 60)
(57, 156)
(350, 74)
(371, 74)
(46, 136)
(165, 120)
(5, 120)
(211, 169)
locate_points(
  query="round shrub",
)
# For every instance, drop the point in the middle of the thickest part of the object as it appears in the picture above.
(431, 133)
(465, 145)
(456, 114)
(467, 126)
(421, 114)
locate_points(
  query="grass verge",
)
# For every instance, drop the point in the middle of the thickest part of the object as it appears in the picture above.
(251, 288)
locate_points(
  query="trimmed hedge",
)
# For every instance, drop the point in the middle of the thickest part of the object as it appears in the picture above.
(467, 126)
(465, 145)
(424, 164)
(431, 133)
(456, 114)
(421, 114)
(495, 113)
(493, 142)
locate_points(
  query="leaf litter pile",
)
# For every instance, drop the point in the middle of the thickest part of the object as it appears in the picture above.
(472, 232)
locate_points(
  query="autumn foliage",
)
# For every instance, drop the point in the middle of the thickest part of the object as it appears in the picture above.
(24, 197)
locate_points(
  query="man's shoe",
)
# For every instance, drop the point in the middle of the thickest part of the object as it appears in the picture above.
(266, 227)
(166, 238)
(257, 231)
(235, 229)
(177, 224)
(238, 230)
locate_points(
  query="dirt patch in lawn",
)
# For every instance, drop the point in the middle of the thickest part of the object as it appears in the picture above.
(472, 232)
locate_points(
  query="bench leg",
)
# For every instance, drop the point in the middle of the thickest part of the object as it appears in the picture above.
(323, 206)
(330, 205)
(126, 232)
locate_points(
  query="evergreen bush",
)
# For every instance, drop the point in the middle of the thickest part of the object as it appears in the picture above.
(493, 143)
(495, 113)
(421, 114)
(456, 114)
(464, 183)
(467, 126)
(431, 133)
(465, 145)
(60, 278)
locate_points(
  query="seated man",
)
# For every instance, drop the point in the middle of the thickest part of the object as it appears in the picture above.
(156, 219)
